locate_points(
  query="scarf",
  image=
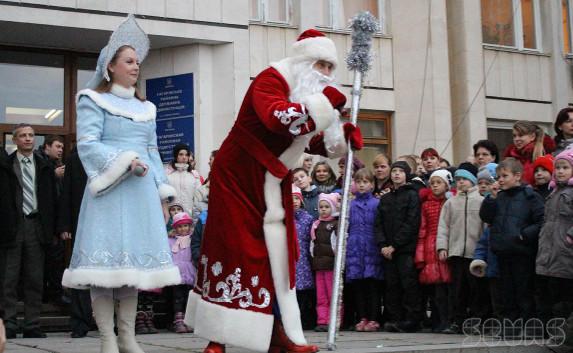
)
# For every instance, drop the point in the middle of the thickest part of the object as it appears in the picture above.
(182, 242)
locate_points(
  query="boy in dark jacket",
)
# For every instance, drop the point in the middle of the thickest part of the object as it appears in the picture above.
(396, 229)
(515, 216)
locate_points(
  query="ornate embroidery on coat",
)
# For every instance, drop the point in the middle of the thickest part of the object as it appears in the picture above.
(293, 118)
(230, 288)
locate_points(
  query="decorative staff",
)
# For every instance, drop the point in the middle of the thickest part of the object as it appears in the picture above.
(364, 25)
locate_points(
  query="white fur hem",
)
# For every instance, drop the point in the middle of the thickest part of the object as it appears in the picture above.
(82, 278)
(319, 109)
(166, 191)
(243, 328)
(113, 174)
(149, 113)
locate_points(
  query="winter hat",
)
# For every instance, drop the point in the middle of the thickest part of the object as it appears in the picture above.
(175, 203)
(467, 171)
(488, 173)
(332, 200)
(313, 44)
(297, 193)
(430, 152)
(445, 175)
(565, 155)
(402, 165)
(181, 218)
(545, 162)
(178, 147)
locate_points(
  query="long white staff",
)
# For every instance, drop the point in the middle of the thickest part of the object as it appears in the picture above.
(364, 25)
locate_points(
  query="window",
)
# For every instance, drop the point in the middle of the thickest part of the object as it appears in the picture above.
(375, 128)
(336, 14)
(270, 11)
(511, 23)
(566, 8)
(38, 87)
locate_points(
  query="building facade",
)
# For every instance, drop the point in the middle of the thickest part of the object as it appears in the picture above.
(445, 73)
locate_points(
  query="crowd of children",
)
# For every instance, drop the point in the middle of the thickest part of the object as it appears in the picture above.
(432, 248)
(428, 245)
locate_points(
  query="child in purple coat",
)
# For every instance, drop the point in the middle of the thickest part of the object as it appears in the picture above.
(180, 245)
(305, 292)
(363, 259)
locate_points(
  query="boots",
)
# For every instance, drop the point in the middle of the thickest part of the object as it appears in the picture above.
(103, 308)
(280, 342)
(178, 324)
(140, 323)
(126, 325)
(214, 347)
(149, 322)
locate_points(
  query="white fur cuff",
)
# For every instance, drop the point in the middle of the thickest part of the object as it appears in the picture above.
(334, 141)
(319, 109)
(166, 191)
(118, 169)
(478, 267)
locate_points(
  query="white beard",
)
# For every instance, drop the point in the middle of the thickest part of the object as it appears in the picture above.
(308, 81)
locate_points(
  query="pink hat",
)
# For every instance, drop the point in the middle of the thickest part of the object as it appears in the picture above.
(333, 200)
(181, 218)
(297, 193)
(565, 155)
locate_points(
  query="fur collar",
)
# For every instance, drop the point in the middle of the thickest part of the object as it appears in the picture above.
(121, 91)
(105, 104)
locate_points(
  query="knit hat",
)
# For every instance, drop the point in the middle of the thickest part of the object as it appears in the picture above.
(487, 172)
(429, 152)
(332, 199)
(175, 203)
(445, 175)
(297, 193)
(545, 162)
(467, 171)
(565, 155)
(181, 218)
(402, 165)
(313, 44)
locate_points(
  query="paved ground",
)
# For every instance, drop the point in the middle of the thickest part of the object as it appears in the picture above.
(348, 342)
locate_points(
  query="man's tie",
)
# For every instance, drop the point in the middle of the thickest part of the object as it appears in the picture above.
(27, 186)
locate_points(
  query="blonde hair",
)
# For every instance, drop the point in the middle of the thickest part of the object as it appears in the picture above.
(381, 158)
(363, 173)
(523, 127)
(105, 85)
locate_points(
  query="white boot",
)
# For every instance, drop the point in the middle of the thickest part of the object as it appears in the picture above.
(103, 311)
(126, 325)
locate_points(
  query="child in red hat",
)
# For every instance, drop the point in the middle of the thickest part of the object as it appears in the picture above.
(542, 171)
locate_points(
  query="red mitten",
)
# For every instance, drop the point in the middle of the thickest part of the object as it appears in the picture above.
(352, 133)
(336, 98)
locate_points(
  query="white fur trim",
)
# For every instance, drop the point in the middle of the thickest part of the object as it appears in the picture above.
(113, 174)
(340, 145)
(275, 239)
(82, 278)
(317, 48)
(121, 91)
(166, 191)
(148, 115)
(319, 109)
(244, 328)
(478, 268)
(284, 68)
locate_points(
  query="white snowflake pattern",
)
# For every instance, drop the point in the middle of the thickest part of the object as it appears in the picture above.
(255, 281)
(217, 268)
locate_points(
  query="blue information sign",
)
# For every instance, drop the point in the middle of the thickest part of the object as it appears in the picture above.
(173, 97)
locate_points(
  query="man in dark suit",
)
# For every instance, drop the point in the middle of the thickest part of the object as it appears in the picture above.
(34, 198)
(69, 205)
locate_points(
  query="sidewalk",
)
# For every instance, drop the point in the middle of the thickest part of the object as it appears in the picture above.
(348, 342)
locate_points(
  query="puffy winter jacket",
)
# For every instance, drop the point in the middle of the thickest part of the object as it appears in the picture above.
(525, 156)
(432, 270)
(515, 218)
(483, 252)
(555, 254)
(460, 225)
(363, 258)
(398, 220)
(311, 201)
(322, 248)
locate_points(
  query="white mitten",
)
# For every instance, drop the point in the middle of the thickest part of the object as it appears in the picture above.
(478, 267)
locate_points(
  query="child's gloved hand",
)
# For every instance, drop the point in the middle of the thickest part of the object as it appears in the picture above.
(478, 267)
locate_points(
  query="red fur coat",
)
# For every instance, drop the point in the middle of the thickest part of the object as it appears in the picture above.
(249, 246)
